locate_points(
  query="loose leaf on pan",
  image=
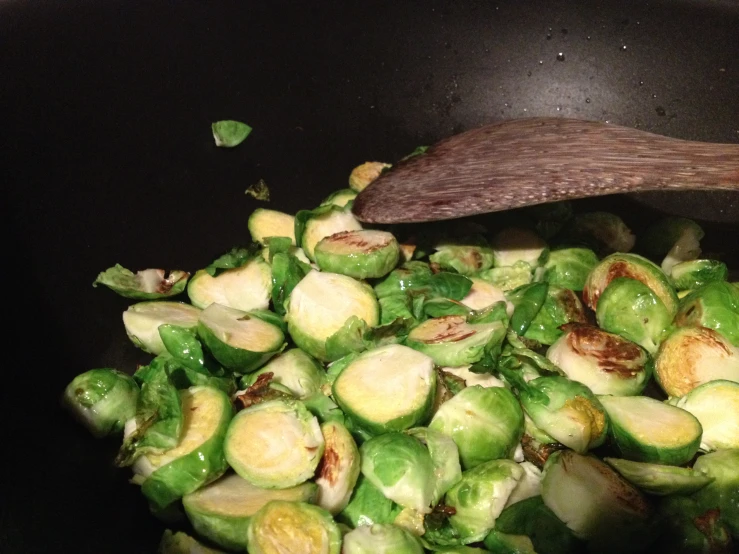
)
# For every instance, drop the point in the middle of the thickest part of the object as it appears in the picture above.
(527, 300)
(229, 133)
(287, 271)
(236, 257)
(259, 190)
(183, 345)
(148, 284)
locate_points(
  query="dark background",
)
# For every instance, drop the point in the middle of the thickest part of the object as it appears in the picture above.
(106, 156)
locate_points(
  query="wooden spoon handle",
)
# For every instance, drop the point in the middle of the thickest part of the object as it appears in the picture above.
(523, 162)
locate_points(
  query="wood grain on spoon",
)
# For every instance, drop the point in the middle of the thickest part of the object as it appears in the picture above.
(523, 162)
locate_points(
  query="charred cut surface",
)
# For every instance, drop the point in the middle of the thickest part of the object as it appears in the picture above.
(614, 354)
(328, 468)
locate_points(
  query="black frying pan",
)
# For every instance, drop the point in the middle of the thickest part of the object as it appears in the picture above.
(107, 157)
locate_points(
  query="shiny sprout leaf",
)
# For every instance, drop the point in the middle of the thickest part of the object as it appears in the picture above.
(229, 133)
(259, 190)
(148, 284)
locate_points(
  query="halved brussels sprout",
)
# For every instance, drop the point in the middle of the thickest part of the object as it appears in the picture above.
(246, 287)
(471, 378)
(604, 362)
(631, 266)
(716, 306)
(295, 527)
(389, 388)
(561, 306)
(237, 339)
(569, 267)
(381, 539)
(221, 511)
(716, 405)
(198, 457)
(566, 410)
(321, 304)
(182, 543)
(148, 284)
(340, 197)
(362, 175)
(401, 467)
(275, 444)
(722, 493)
(602, 231)
(647, 430)
(339, 468)
(294, 369)
(142, 322)
(445, 457)
(676, 239)
(452, 341)
(629, 308)
(658, 479)
(480, 496)
(508, 277)
(596, 503)
(694, 274)
(483, 295)
(360, 254)
(102, 400)
(691, 356)
(466, 256)
(513, 244)
(688, 528)
(485, 423)
(264, 223)
(313, 225)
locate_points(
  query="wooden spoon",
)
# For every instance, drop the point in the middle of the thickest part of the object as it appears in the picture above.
(522, 162)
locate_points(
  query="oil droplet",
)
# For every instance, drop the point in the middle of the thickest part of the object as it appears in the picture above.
(660, 111)
(641, 83)
(560, 57)
(587, 37)
(623, 47)
(654, 96)
(587, 100)
(541, 62)
(559, 108)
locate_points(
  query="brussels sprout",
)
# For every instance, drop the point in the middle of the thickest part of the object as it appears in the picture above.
(362, 175)
(321, 304)
(456, 549)
(296, 370)
(604, 362)
(631, 309)
(471, 378)
(276, 444)
(360, 254)
(142, 321)
(550, 217)
(198, 457)
(313, 225)
(501, 543)
(688, 529)
(566, 410)
(561, 306)
(445, 457)
(513, 244)
(646, 430)
(658, 479)
(604, 232)
(528, 485)
(148, 284)
(389, 388)
(401, 467)
(264, 223)
(482, 295)
(381, 539)
(532, 518)
(691, 356)
(182, 543)
(452, 341)
(466, 256)
(508, 277)
(102, 400)
(368, 506)
(723, 492)
(716, 405)
(340, 197)
(485, 423)
(246, 287)
(339, 468)
(596, 503)
(569, 267)
(634, 267)
(716, 306)
(479, 497)
(229, 133)
(694, 274)
(676, 239)
(295, 527)
(238, 340)
(221, 511)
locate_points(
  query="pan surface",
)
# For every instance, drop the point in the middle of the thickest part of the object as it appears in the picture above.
(108, 158)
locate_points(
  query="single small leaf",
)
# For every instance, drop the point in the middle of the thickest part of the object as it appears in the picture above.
(229, 133)
(259, 190)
